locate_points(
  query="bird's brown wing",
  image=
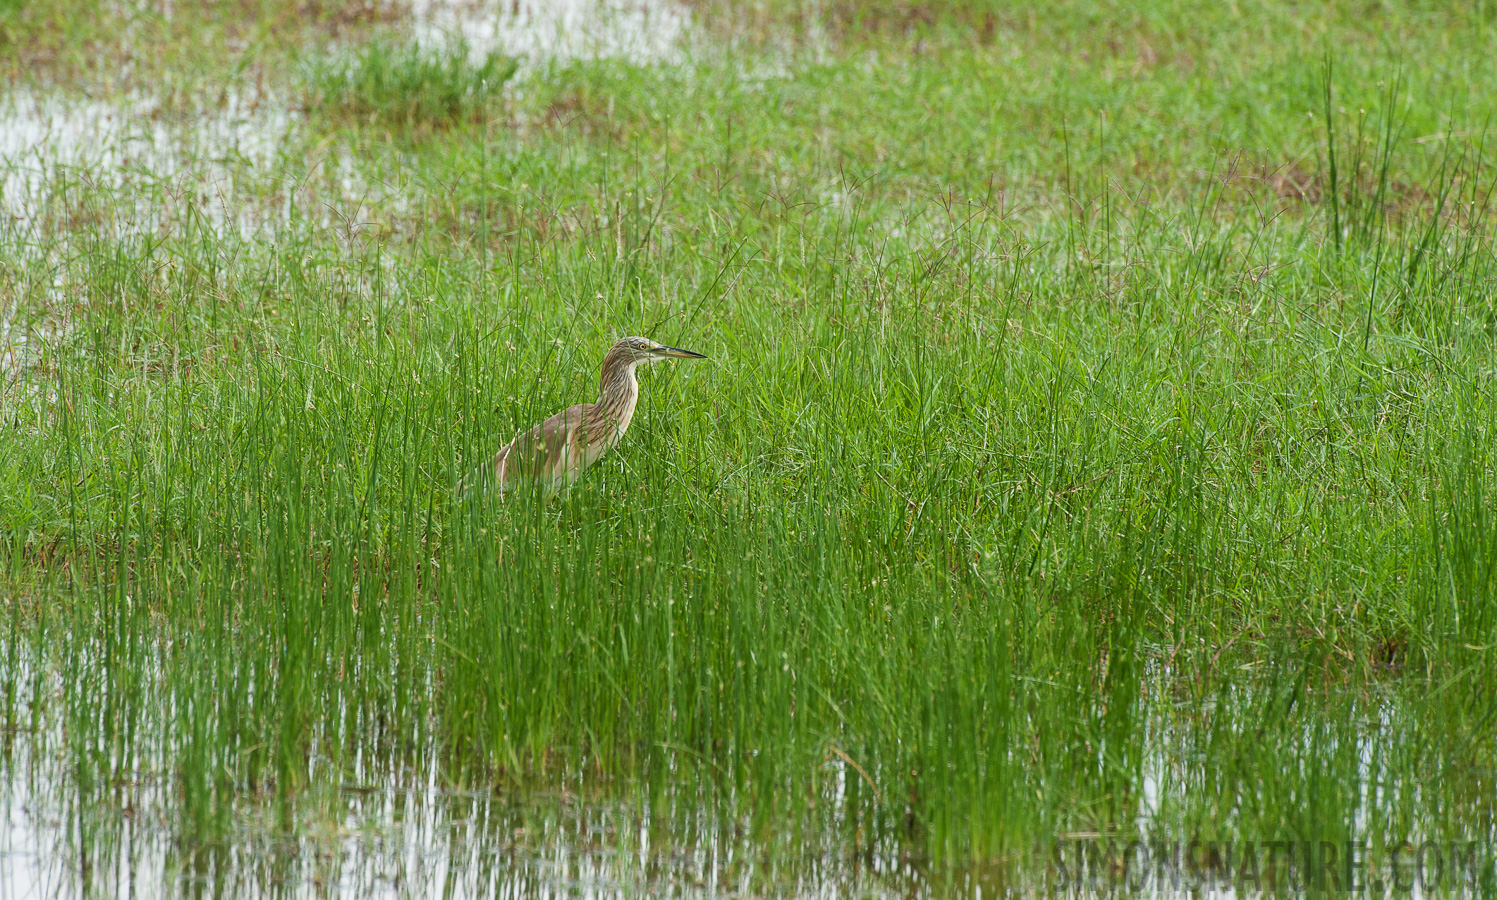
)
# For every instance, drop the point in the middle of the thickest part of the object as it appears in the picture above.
(542, 453)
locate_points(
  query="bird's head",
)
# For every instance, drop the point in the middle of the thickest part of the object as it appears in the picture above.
(639, 350)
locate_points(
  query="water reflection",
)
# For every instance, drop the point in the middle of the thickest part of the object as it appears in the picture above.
(381, 827)
(357, 842)
(539, 31)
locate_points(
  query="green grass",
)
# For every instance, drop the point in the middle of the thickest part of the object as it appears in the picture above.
(407, 87)
(1072, 436)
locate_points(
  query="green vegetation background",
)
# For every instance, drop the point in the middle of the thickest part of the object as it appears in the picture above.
(1098, 424)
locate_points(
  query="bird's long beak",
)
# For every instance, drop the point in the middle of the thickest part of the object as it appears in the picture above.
(678, 353)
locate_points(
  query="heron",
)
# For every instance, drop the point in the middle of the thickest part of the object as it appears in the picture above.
(556, 452)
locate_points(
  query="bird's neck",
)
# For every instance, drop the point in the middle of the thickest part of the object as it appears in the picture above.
(620, 391)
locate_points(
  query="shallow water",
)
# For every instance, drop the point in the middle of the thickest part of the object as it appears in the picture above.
(140, 154)
(134, 166)
(418, 842)
(228, 148)
(539, 31)
(382, 829)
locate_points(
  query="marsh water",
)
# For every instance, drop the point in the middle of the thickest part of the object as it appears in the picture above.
(114, 814)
